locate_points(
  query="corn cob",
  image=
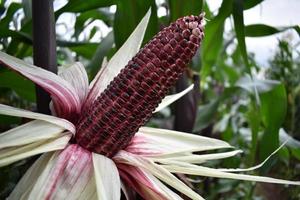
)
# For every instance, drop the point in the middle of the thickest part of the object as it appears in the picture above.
(110, 123)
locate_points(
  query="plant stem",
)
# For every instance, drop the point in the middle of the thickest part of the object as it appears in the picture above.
(186, 108)
(44, 46)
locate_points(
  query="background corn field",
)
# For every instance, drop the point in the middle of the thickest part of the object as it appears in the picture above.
(253, 106)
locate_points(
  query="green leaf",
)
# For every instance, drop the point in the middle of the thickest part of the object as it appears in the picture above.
(102, 50)
(254, 118)
(83, 5)
(26, 38)
(5, 32)
(179, 8)
(128, 15)
(213, 41)
(228, 73)
(259, 30)
(206, 114)
(273, 110)
(238, 19)
(274, 104)
(21, 45)
(93, 32)
(251, 3)
(8, 120)
(255, 85)
(86, 50)
(27, 7)
(4, 22)
(20, 85)
(284, 155)
(296, 153)
(91, 15)
(206, 9)
(18, 46)
(297, 28)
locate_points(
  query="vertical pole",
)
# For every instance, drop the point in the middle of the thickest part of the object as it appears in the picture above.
(44, 45)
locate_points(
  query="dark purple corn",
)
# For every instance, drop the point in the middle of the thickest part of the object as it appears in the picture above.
(109, 124)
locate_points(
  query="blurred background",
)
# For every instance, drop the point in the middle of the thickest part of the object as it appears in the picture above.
(246, 75)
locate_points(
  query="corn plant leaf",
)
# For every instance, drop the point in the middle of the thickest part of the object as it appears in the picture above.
(180, 8)
(238, 19)
(260, 30)
(84, 49)
(256, 86)
(252, 84)
(5, 21)
(133, 11)
(81, 6)
(273, 110)
(101, 51)
(297, 28)
(254, 119)
(251, 3)
(211, 45)
(23, 87)
(206, 114)
(107, 178)
(87, 17)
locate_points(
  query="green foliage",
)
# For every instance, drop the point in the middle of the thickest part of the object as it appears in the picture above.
(79, 6)
(273, 111)
(214, 38)
(133, 11)
(24, 88)
(180, 8)
(234, 104)
(238, 18)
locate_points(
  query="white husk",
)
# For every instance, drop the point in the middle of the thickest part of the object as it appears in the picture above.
(13, 154)
(174, 143)
(61, 91)
(172, 98)
(30, 132)
(107, 178)
(17, 112)
(76, 75)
